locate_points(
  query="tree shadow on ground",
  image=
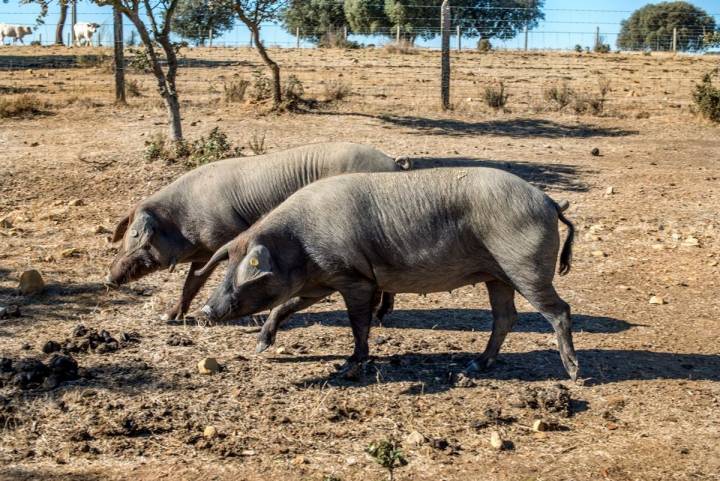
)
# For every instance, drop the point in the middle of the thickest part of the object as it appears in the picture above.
(543, 175)
(81, 60)
(463, 320)
(434, 372)
(523, 128)
(18, 473)
(82, 298)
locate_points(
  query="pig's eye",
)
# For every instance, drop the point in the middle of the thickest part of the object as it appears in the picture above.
(254, 262)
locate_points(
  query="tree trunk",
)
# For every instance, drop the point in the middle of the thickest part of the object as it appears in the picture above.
(173, 107)
(119, 57)
(271, 64)
(61, 23)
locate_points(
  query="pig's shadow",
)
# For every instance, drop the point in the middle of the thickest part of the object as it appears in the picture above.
(435, 372)
(462, 320)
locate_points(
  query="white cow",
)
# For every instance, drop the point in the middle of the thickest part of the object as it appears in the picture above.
(16, 32)
(84, 32)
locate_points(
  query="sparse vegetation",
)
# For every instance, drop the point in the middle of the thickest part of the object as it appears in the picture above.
(234, 91)
(578, 48)
(334, 40)
(138, 60)
(495, 96)
(22, 106)
(293, 89)
(707, 97)
(558, 96)
(195, 153)
(402, 47)
(336, 90)
(261, 87)
(90, 61)
(484, 45)
(133, 88)
(257, 143)
(387, 454)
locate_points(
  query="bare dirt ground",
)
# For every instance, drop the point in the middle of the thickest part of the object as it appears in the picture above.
(649, 407)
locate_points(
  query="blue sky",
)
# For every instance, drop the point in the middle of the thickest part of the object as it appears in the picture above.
(567, 23)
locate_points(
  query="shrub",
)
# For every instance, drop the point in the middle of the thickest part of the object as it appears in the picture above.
(139, 60)
(89, 61)
(133, 88)
(257, 143)
(292, 89)
(495, 96)
(261, 86)
(559, 96)
(707, 97)
(585, 103)
(484, 45)
(336, 90)
(601, 47)
(22, 106)
(402, 47)
(235, 90)
(215, 147)
(387, 454)
(36, 43)
(195, 153)
(578, 48)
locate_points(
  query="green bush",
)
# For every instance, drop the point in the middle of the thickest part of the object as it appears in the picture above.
(484, 45)
(215, 147)
(707, 97)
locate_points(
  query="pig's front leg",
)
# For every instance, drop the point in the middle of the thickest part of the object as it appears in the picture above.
(192, 285)
(359, 299)
(277, 318)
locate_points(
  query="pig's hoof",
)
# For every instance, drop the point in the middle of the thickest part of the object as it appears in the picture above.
(261, 346)
(477, 366)
(351, 370)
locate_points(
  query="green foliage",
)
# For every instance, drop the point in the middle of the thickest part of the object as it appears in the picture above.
(387, 454)
(315, 18)
(652, 27)
(366, 17)
(578, 48)
(197, 19)
(261, 86)
(139, 60)
(707, 97)
(198, 152)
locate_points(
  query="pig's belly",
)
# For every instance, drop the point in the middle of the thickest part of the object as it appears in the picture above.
(426, 280)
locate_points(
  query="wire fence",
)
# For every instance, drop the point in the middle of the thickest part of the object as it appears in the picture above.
(530, 65)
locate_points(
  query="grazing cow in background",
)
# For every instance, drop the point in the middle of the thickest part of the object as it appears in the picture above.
(84, 33)
(16, 32)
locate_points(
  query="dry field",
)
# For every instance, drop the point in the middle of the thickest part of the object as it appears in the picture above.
(649, 404)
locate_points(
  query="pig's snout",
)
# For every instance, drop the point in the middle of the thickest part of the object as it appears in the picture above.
(207, 311)
(109, 282)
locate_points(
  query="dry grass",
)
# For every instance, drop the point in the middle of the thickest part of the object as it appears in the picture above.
(648, 408)
(22, 106)
(402, 47)
(336, 90)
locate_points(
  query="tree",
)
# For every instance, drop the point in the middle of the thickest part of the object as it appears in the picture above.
(159, 17)
(253, 13)
(367, 17)
(315, 18)
(421, 18)
(198, 20)
(44, 7)
(652, 27)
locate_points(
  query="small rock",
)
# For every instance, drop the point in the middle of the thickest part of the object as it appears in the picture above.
(598, 254)
(595, 152)
(209, 365)
(462, 380)
(31, 282)
(76, 203)
(496, 441)
(415, 439)
(379, 340)
(299, 460)
(713, 263)
(539, 425)
(657, 300)
(691, 242)
(50, 347)
(610, 190)
(624, 288)
(178, 340)
(210, 432)
(281, 350)
(71, 252)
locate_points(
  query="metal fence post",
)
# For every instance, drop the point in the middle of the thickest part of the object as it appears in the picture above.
(597, 38)
(459, 38)
(526, 37)
(119, 57)
(674, 41)
(445, 61)
(397, 34)
(297, 37)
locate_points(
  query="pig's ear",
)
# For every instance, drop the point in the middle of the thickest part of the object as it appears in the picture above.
(122, 226)
(257, 263)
